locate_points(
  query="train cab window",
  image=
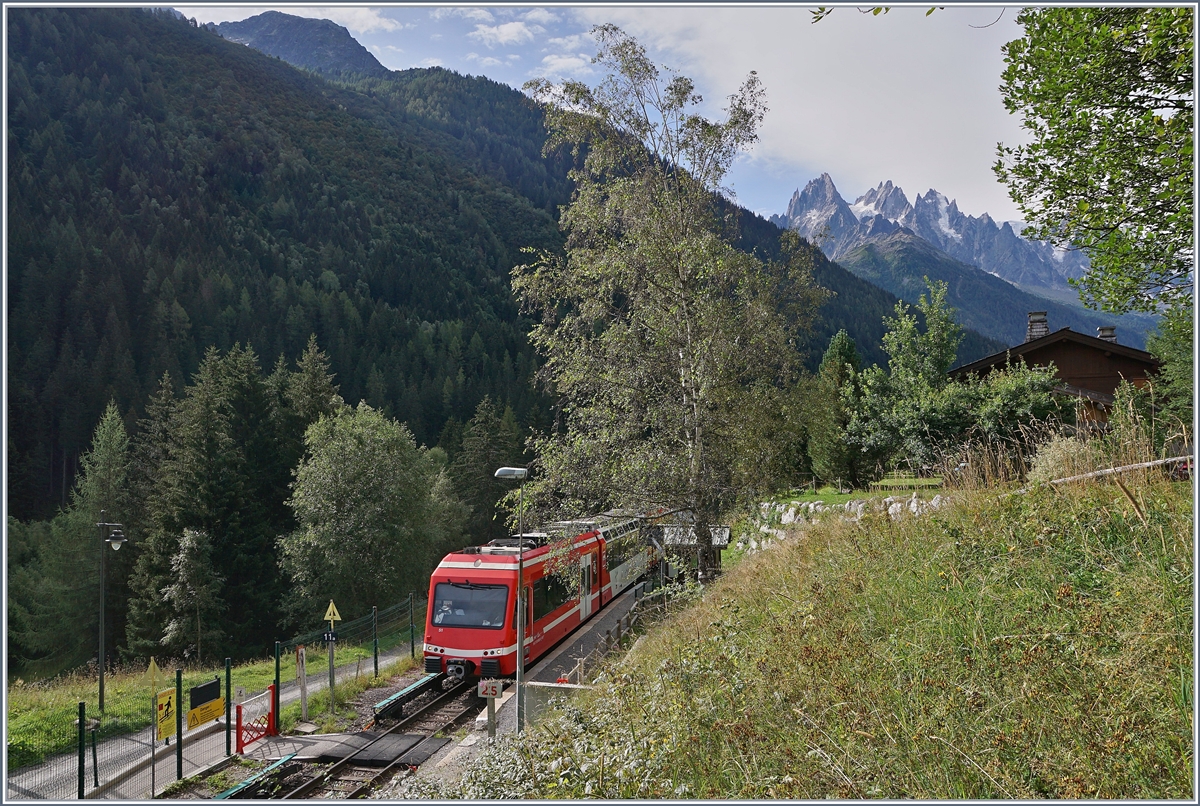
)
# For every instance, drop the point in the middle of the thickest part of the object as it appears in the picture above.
(548, 594)
(461, 604)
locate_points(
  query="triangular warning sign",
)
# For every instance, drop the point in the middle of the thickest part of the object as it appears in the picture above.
(332, 614)
(153, 673)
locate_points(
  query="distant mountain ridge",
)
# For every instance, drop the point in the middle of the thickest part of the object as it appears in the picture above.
(995, 277)
(820, 214)
(899, 261)
(318, 45)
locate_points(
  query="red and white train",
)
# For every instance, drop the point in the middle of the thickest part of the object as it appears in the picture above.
(471, 625)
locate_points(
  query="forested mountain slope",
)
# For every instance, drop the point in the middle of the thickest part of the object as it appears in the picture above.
(900, 260)
(170, 190)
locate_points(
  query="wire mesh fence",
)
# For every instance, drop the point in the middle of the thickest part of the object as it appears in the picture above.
(364, 646)
(117, 754)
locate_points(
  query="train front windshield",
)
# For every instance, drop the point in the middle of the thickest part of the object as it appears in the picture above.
(461, 604)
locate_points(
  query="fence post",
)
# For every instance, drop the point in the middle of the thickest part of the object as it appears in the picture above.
(240, 745)
(179, 724)
(272, 717)
(412, 635)
(375, 635)
(95, 766)
(228, 702)
(275, 696)
(82, 747)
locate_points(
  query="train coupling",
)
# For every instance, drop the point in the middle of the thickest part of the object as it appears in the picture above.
(457, 671)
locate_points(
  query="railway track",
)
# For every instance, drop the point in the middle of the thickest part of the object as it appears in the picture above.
(345, 779)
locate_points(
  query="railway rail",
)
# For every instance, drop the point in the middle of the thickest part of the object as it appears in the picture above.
(346, 779)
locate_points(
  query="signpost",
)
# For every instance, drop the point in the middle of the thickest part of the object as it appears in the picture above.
(491, 690)
(331, 615)
(302, 675)
(155, 674)
(166, 714)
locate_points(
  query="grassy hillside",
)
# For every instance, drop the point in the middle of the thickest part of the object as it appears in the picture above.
(1025, 646)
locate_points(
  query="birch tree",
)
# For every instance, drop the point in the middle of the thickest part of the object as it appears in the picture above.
(663, 342)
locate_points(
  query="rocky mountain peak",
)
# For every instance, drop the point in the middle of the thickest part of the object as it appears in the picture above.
(820, 214)
(319, 45)
(886, 200)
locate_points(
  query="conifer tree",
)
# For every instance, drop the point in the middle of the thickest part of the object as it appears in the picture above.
(490, 441)
(194, 598)
(224, 471)
(833, 460)
(61, 619)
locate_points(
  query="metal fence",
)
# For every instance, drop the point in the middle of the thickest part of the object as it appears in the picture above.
(113, 753)
(364, 646)
(72, 750)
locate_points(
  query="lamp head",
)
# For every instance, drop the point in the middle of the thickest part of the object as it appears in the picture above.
(116, 539)
(515, 473)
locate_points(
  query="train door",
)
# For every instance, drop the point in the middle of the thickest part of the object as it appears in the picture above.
(585, 586)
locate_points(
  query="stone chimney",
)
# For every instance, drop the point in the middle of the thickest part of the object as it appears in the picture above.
(1037, 326)
(1107, 333)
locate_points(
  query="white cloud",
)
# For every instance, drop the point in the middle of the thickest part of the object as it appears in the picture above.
(507, 33)
(541, 15)
(357, 20)
(474, 14)
(557, 65)
(484, 61)
(570, 44)
(900, 96)
(432, 62)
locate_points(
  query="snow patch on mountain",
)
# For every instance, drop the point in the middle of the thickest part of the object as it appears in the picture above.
(820, 214)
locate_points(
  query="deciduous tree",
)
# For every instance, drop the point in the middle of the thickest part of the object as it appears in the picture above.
(662, 340)
(1106, 95)
(374, 513)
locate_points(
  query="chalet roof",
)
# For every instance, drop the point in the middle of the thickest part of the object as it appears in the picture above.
(1061, 335)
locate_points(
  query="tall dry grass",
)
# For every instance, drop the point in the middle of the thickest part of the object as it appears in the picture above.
(1012, 646)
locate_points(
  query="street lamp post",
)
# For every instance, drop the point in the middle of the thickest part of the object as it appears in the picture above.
(111, 534)
(519, 473)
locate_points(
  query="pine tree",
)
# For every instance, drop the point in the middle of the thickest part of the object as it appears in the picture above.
(833, 460)
(225, 472)
(61, 622)
(194, 597)
(489, 441)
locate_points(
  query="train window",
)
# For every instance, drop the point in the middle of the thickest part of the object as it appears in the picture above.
(621, 549)
(461, 604)
(548, 594)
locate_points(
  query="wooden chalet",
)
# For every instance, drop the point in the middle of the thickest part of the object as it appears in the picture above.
(1090, 367)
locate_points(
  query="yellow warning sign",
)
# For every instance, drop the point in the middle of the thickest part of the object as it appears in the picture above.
(332, 614)
(153, 673)
(206, 712)
(166, 713)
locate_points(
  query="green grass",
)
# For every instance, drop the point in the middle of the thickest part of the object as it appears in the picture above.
(41, 716)
(901, 482)
(318, 703)
(1035, 646)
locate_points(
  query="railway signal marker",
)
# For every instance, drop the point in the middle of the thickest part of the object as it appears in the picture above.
(490, 689)
(331, 614)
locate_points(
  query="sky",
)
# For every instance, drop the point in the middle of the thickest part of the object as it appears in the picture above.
(900, 96)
